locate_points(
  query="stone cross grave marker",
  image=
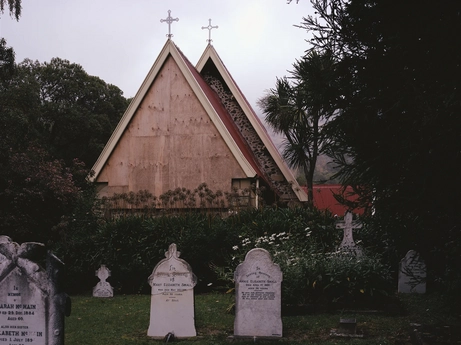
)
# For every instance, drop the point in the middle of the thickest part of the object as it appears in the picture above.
(172, 297)
(32, 305)
(258, 283)
(348, 245)
(103, 288)
(412, 274)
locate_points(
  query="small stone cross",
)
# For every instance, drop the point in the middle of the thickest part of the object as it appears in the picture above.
(209, 27)
(169, 20)
(348, 225)
(103, 273)
(172, 252)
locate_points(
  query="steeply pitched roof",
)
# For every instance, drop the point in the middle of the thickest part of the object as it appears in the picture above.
(215, 109)
(210, 105)
(210, 54)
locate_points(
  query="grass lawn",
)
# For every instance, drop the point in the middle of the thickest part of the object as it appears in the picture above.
(124, 320)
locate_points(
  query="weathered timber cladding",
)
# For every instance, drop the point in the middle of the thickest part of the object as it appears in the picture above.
(170, 142)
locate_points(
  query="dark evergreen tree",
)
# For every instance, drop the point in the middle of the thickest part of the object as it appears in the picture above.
(398, 129)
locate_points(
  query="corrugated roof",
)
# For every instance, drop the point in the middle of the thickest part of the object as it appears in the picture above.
(324, 199)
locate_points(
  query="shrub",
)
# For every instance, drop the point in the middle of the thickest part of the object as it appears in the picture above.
(303, 243)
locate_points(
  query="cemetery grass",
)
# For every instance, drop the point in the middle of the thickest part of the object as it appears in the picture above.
(124, 319)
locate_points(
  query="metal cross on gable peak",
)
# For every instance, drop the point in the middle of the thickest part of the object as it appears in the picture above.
(169, 20)
(209, 27)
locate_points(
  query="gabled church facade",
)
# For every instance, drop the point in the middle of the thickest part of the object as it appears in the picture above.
(192, 125)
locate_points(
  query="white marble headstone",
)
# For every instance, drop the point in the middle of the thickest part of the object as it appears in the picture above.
(32, 307)
(103, 288)
(172, 297)
(348, 245)
(258, 296)
(412, 274)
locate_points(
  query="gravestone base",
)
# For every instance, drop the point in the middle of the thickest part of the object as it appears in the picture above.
(254, 338)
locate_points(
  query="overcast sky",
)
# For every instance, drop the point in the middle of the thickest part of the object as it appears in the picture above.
(119, 40)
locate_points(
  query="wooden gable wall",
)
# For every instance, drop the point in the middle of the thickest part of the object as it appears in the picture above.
(170, 142)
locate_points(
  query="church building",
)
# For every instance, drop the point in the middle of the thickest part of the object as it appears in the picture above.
(190, 126)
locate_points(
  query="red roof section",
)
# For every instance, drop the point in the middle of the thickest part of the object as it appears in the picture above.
(248, 104)
(225, 117)
(324, 199)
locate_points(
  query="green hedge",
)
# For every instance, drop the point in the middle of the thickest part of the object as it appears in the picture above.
(300, 240)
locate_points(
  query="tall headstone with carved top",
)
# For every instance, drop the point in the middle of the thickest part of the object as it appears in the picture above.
(32, 305)
(103, 288)
(172, 297)
(258, 283)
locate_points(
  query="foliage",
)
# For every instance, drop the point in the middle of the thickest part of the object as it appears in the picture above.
(314, 272)
(36, 192)
(77, 112)
(14, 7)
(397, 129)
(179, 200)
(54, 117)
(299, 108)
(301, 241)
(131, 247)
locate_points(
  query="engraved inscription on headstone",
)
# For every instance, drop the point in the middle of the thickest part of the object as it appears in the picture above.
(412, 274)
(31, 305)
(258, 296)
(103, 288)
(172, 298)
(348, 245)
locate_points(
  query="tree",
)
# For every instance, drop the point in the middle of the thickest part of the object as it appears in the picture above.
(76, 113)
(14, 7)
(398, 114)
(54, 120)
(300, 109)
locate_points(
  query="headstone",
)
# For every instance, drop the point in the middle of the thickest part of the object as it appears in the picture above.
(258, 296)
(348, 245)
(412, 274)
(172, 299)
(32, 305)
(103, 288)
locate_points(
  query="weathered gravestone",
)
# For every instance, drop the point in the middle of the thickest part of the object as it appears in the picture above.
(258, 296)
(32, 305)
(172, 299)
(348, 245)
(103, 288)
(412, 274)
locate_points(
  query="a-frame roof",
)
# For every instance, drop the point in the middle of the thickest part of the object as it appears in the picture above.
(210, 104)
(214, 108)
(211, 54)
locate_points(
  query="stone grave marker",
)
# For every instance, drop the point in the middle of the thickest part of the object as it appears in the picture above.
(172, 297)
(412, 274)
(258, 283)
(32, 305)
(103, 288)
(348, 245)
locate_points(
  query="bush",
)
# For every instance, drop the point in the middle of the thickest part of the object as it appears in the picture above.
(301, 241)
